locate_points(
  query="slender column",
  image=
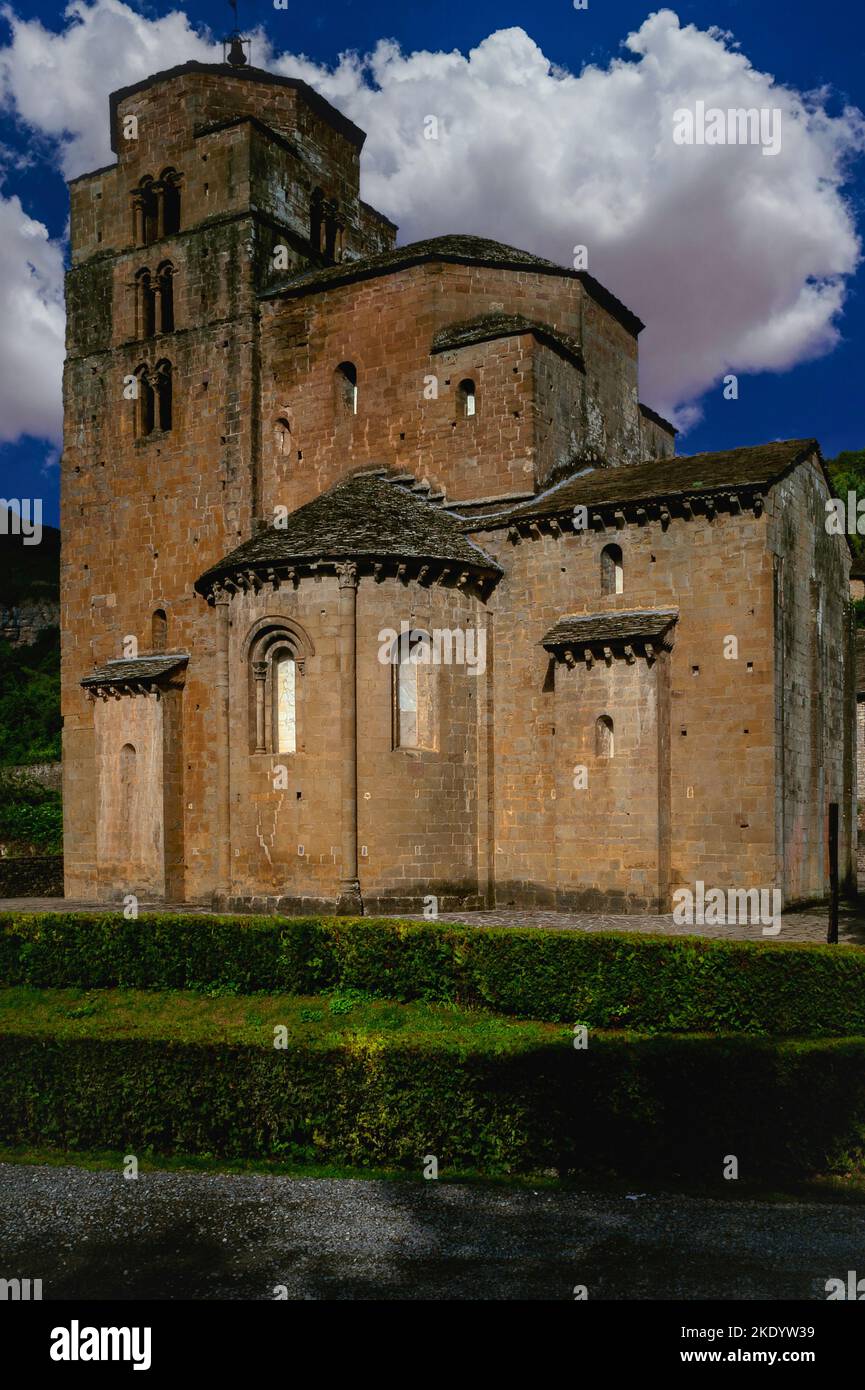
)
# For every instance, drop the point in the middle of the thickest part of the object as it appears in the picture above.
(350, 901)
(138, 220)
(664, 716)
(259, 671)
(223, 751)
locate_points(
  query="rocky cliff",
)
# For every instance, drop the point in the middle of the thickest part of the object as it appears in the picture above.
(29, 584)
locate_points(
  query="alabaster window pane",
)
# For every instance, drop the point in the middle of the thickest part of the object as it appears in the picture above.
(286, 707)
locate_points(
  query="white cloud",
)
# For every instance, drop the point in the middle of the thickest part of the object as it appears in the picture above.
(31, 315)
(59, 83)
(736, 262)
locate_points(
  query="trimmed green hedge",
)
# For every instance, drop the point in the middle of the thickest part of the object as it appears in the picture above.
(608, 980)
(518, 1100)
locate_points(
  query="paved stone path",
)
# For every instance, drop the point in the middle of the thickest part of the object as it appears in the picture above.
(795, 926)
(809, 925)
(93, 1235)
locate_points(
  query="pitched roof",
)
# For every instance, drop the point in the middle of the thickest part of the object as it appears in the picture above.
(584, 628)
(365, 516)
(141, 669)
(492, 326)
(727, 470)
(651, 414)
(462, 250)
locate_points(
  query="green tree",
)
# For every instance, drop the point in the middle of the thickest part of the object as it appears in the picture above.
(30, 700)
(847, 472)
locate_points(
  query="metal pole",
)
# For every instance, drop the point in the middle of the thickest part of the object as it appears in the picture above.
(832, 935)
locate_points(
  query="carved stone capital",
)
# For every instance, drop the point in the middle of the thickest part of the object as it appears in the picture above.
(346, 573)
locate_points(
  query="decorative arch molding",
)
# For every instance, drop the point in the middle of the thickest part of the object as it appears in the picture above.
(275, 629)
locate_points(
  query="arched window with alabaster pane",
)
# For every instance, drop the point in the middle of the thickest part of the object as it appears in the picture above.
(276, 653)
(414, 712)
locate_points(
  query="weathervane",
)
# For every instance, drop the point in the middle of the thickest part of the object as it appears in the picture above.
(233, 46)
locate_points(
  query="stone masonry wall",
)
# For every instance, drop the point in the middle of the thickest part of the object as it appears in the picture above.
(719, 575)
(385, 327)
(418, 808)
(815, 690)
(143, 517)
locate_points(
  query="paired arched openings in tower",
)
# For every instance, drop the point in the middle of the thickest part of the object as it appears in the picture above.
(154, 406)
(156, 207)
(154, 301)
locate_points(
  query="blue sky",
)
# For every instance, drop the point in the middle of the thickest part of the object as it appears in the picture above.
(803, 45)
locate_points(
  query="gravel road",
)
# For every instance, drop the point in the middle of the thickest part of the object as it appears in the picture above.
(220, 1236)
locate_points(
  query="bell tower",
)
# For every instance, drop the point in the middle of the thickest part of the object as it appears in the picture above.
(226, 177)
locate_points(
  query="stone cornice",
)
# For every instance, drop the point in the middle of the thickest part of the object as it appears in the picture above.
(270, 578)
(144, 675)
(590, 637)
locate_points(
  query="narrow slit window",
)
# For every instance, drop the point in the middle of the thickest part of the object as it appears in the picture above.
(345, 379)
(612, 570)
(604, 737)
(282, 437)
(467, 397)
(159, 630)
(127, 790)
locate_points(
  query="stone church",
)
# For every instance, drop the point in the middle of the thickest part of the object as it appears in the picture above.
(379, 584)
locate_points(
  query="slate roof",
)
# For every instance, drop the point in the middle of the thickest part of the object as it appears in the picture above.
(142, 668)
(582, 629)
(462, 250)
(492, 326)
(365, 516)
(731, 469)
